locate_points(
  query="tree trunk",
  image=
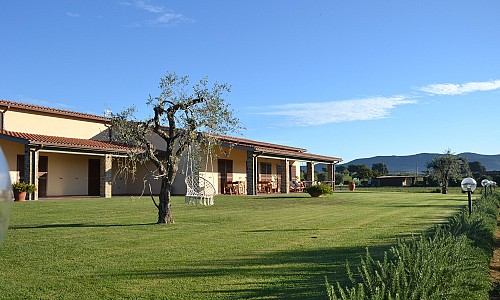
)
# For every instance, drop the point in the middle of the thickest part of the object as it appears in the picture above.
(444, 189)
(165, 205)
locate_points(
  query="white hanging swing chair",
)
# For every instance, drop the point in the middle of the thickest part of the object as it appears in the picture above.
(198, 189)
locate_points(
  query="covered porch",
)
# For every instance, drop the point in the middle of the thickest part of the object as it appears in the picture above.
(60, 166)
(278, 174)
(272, 168)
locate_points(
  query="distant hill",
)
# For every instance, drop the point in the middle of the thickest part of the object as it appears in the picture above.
(412, 163)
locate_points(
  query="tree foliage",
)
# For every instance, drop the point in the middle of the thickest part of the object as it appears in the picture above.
(446, 167)
(341, 169)
(360, 171)
(184, 115)
(342, 175)
(477, 169)
(380, 169)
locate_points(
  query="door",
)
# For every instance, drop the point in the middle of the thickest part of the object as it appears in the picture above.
(293, 173)
(94, 188)
(225, 167)
(43, 169)
(20, 167)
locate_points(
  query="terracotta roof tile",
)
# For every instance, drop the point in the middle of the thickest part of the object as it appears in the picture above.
(281, 150)
(252, 143)
(71, 143)
(299, 155)
(267, 148)
(37, 108)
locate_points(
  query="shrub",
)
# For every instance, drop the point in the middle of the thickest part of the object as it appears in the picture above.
(443, 264)
(319, 189)
(441, 267)
(23, 187)
(436, 190)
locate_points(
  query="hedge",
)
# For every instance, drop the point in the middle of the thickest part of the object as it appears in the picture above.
(449, 262)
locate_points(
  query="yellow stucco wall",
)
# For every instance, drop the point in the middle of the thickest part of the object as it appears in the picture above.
(67, 174)
(11, 150)
(239, 158)
(297, 170)
(130, 184)
(50, 125)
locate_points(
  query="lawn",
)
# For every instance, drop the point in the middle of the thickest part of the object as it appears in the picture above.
(262, 247)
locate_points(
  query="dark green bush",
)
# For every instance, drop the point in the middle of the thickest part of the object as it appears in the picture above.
(436, 190)
(319, 189)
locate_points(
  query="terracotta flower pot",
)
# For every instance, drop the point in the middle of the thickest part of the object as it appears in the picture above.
(315, 194)
(19, 196)
(352, 186)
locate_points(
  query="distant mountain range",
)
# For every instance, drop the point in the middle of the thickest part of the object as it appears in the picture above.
(418, 162)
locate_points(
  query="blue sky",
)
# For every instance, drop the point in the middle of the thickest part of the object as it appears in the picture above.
(349, 79)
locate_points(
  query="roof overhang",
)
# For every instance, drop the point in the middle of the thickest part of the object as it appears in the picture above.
(275, 151)
(47, 143)
(304, 157)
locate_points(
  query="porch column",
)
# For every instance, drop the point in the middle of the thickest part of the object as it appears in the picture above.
(285, 177)
(331, 174)
(106, 175)
(31, 169)
(310, 171)
(251, 173)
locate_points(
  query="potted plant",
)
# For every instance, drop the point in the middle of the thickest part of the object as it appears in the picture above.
(319, 189)
(21, 189)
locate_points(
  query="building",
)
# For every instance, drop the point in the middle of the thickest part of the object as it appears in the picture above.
(68, 153)
(394, 181)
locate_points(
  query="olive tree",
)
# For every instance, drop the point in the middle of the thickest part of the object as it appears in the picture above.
(448, 166)
(184, 115)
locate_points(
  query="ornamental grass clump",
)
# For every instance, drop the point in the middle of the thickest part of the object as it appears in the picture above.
(450, 262)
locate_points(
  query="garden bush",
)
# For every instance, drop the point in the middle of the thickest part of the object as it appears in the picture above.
(319, 189)
(450, 262)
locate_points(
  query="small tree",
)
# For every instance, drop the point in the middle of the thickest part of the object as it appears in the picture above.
(342, 175)
(477, 169)
(341, 169)
(446, 167)
(364, 172)
(380, 169)
(353, 169)
(184, 116)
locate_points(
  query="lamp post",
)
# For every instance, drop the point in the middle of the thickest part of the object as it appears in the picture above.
(485, 183)
(469, 185)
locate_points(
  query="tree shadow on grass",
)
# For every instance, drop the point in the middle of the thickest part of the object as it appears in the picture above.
(283, 230)
(280, 196)
(416, 205)
(77, 225)
(292, 275)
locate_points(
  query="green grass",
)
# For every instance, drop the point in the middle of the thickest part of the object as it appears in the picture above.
(263, 247)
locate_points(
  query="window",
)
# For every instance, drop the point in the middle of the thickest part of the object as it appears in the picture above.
(265, 171)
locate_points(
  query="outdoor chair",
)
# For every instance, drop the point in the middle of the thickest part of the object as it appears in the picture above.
(199, 190)
(296, 187)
